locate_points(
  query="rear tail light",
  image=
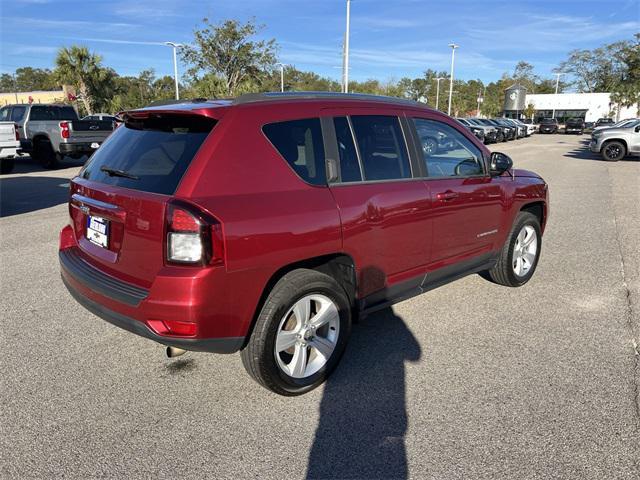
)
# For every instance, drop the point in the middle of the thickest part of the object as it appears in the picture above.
(17, 133)
(64, 129)
(193, 236)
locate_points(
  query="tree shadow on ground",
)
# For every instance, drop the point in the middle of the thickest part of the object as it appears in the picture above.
(363, 416)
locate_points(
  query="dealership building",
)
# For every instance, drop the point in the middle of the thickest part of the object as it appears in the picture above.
(589, 106)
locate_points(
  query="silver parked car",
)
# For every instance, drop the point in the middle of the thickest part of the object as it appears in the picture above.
(616, 143)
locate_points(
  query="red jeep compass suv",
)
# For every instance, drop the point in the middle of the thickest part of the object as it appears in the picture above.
(267, 223)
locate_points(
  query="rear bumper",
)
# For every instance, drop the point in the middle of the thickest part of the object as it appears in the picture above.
(7, 151)
(77, 148)
(78, 279)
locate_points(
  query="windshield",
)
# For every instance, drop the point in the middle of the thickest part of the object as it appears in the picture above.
(548, 121)
(154, 152)
(631, 123)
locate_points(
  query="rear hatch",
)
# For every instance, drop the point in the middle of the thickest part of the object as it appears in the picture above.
(119, 198)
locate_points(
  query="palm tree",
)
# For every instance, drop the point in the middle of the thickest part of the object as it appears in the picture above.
(78, 66)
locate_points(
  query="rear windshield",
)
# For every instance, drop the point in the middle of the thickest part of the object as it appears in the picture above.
(548, 121)
(149, 154)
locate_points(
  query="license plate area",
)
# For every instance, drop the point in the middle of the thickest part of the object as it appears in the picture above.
(98, 231)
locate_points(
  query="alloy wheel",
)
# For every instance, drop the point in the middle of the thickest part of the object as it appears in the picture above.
(614, 151)
(525, 251)
(307, 336)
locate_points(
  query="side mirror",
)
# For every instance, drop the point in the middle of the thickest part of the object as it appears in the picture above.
(500, 163)
(638, 129)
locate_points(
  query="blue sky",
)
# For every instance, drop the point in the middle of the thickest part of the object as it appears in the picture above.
(389, 39)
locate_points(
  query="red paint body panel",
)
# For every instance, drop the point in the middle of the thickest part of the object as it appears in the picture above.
(393, 230)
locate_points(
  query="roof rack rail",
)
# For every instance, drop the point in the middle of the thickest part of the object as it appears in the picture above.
(272, 96)
(160, 103)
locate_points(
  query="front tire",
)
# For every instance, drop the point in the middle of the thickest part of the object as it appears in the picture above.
(300, 333)
(519, 256)
(613, 151)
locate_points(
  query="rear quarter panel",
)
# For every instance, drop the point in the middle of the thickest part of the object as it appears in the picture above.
(270, 217)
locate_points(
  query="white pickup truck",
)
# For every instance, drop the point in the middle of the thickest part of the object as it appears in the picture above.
(9, 144)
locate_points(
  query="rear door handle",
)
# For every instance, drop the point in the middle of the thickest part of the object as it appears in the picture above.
(448, 195)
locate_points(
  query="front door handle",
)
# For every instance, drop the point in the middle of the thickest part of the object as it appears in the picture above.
(446, 196)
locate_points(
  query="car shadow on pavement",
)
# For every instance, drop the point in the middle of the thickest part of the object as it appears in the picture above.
(27, 194)
(25, 164)
(363, 415)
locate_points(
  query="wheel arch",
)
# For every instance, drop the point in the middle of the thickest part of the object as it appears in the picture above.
(539, 209)
(40, 136)
(340, 266)
(621, 140)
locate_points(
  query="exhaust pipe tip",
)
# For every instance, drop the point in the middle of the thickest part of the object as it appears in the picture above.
(172, 352)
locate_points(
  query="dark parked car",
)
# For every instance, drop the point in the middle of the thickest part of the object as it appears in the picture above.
(502, 131)
(604, 122)
(477, 131)
(510, 132)
(267, 223)
(548, 125)
(490, 132)
(574, 125)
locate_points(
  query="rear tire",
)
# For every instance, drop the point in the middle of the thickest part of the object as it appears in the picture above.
(281, 354)
(519, 256)
(6, 165)
(43, 152)
(613, 151)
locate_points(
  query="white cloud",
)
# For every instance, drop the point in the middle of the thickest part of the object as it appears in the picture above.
(44, 23)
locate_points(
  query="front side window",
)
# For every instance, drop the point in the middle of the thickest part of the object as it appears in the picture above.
(446, 151)
(299, 142)
(382, 148)
(17, 113)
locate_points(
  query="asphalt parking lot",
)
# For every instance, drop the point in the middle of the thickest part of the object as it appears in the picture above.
(471, 380)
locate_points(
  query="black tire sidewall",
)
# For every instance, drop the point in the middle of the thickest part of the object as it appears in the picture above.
(524, 219)
(46, 155)
(608, 144)
(272, 315)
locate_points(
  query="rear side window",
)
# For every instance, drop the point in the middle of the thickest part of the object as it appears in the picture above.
(300, 144)
(154, 152)
(67, 113)
(4, 114)
(383, 152)
(349, 164)
(43, 113)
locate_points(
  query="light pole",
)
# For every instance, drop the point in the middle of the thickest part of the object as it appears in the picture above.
(480, 100)
(437, 79)
(453, 56)
(282, 65)
(553, 114)
(345, 53)
(175, 46)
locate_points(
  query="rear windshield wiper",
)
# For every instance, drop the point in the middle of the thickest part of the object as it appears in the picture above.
(114, 172)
